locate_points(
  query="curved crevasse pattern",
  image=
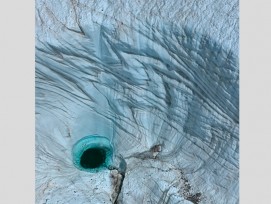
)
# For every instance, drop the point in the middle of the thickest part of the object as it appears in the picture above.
(159, 80)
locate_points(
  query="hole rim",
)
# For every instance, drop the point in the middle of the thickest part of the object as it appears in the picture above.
(92, 142)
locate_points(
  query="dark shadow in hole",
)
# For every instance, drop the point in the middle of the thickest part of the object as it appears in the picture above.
(93, 158)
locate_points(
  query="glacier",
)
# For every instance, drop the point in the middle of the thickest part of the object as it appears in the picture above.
(155, 83)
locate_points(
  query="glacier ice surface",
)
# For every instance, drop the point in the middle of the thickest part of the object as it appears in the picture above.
(159, 80)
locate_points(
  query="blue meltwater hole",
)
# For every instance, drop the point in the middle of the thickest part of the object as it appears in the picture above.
(92, 153)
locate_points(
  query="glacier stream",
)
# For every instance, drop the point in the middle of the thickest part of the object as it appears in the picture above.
(158, 80)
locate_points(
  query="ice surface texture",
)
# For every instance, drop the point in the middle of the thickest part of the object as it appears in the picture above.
(159, 80)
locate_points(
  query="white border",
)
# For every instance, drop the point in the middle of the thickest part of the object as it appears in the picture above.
(17, 44)
(255, 103)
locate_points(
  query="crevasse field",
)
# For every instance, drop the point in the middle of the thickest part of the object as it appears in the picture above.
(146, 93)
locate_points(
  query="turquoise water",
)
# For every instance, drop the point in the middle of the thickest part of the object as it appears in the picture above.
(93, 158)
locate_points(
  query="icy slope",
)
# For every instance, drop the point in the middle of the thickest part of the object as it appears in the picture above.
(159, 80)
